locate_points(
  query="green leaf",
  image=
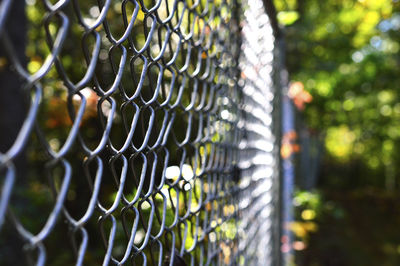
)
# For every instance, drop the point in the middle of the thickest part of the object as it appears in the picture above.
(288, 17)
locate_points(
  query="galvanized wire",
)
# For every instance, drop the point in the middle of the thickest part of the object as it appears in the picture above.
(148, 135)
(259, 201)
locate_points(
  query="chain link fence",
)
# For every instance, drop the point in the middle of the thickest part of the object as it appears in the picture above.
(138, 133)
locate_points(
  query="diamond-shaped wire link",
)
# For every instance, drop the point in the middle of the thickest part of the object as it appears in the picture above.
(146, 133)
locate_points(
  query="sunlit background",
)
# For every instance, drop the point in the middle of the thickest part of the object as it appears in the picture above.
(343, 60)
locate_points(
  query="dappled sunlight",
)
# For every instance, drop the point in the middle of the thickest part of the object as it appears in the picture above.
(342, 57)
(340, 141)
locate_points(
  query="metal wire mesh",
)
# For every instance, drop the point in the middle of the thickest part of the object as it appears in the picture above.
(259, 201)
(144, 133)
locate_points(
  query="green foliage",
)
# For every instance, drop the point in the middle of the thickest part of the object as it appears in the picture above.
(287, 17)
(346, 53)
(306, 199)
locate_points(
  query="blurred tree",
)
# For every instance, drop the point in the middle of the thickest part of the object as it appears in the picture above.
(346, 53)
